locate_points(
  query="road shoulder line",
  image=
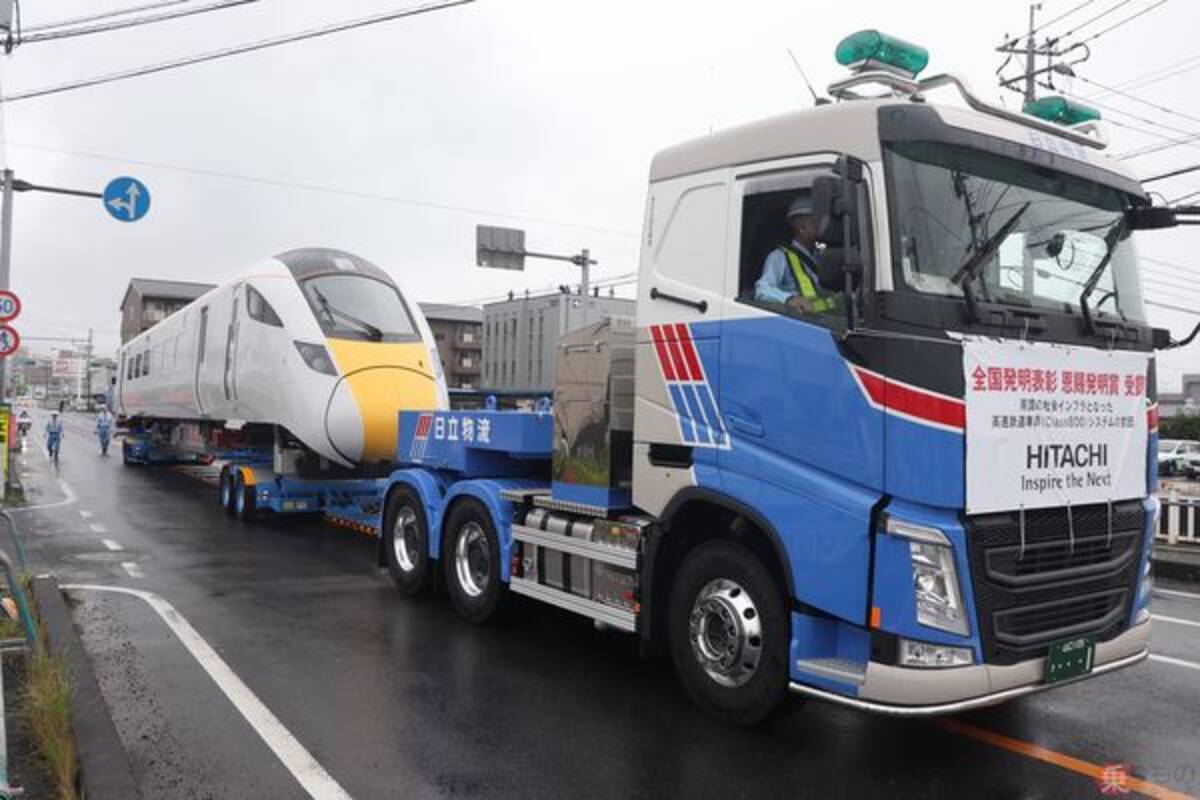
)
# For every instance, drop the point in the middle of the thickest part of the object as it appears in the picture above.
(304, 768)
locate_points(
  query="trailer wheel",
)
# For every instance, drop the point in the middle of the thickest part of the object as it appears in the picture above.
(471, 562)
(227, 489)
(125, 459)
(406, 540)
(728, 631)
(243, 498)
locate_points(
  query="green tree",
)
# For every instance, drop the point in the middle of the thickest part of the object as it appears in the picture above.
(1180, 426)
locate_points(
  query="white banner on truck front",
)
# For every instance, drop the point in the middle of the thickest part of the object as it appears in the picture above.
(1052, 425)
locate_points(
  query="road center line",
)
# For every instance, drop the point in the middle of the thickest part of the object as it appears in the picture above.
(112, 544)
(1176, 593)
(1175, 620)
(133, 569)
(98, 528)
(1045, 754)
(310, 774)
(1178, 662)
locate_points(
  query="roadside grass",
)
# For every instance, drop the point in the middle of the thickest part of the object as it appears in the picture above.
(46, 703)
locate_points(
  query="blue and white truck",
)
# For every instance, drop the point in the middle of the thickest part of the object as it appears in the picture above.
(930, 491)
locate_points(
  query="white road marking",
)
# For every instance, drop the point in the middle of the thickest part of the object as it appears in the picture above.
(1176, 593)
(310, 774)
(133, 569)
(1176, 620)
(98, 527)
(83, 512)
(112, 544)
(1179, 662)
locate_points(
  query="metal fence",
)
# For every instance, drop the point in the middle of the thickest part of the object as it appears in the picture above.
(1178, 520)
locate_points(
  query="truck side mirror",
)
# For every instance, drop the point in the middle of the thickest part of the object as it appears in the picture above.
(829, 208)
(1146, 218)
(1161, 338)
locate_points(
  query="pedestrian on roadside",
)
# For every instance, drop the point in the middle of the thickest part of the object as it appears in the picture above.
(104, 429)
(54, 435)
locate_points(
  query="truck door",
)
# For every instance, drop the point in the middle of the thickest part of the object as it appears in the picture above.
(806, 446)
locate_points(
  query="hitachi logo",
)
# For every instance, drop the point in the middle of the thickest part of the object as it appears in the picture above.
(1059, 456)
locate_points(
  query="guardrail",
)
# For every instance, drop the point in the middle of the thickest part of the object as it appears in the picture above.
(1178, 520)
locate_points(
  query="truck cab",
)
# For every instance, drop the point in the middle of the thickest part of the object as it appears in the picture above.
(948, 469)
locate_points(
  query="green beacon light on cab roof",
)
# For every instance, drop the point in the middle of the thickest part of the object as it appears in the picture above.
(1060, 110)
(872, 48)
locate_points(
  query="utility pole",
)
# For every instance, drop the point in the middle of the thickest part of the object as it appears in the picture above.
(6, 222)
(1030, 52)
(87, 371)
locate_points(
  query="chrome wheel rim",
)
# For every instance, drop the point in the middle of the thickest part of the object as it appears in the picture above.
(405, 540)
(726, 633)
(472, 559)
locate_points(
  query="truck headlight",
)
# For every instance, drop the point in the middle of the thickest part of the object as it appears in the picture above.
(935, 578)
(316, 357)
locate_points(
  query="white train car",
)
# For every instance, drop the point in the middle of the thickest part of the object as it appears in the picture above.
(319, 342)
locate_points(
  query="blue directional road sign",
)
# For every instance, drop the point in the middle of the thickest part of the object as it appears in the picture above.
(126, 199)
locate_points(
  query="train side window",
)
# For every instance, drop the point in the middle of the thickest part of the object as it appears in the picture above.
(137, 366)
(259, 309)
(129, 369)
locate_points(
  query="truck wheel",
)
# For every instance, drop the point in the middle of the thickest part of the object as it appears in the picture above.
(125, 459)
(406, 541)
(728, 632)
(471, 562)
(243, 498)
(226, 494)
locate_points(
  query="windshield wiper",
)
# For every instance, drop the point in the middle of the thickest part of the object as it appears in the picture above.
(970, 270)
(331, 312)
(1115, 233)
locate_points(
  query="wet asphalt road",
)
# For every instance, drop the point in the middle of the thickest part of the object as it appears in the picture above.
(400, 699)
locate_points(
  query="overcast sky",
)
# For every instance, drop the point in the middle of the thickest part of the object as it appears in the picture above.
(537, 113)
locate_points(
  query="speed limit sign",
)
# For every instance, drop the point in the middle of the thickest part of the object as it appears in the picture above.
(10, 305)
(10, 340)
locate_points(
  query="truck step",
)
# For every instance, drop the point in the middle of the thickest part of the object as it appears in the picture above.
(616, 617)
(597, 551)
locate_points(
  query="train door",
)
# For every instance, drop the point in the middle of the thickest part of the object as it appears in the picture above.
(229, 379)
(201, 337)
(118, 402)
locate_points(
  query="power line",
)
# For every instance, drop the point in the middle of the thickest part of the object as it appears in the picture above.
(1090, 20)
(314, 187)
(214, 55)
(1158, 148)
(1146, 120)
(104, 15)
(1173, 173)
(1137, 99)
(1172, 307)
(1182, 197)
(145, 19)
(1013, 40)
(1128, 19)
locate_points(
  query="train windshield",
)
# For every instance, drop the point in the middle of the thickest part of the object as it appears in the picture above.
(351, 306)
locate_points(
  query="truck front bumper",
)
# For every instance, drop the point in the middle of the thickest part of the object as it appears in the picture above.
(912, 692)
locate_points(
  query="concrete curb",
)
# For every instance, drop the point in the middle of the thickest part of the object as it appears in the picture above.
(104, 768)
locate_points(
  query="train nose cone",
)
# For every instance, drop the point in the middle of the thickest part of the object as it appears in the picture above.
(343, 424)
(372, 399)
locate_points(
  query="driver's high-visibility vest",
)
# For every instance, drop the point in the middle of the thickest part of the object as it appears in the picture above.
(808, 289)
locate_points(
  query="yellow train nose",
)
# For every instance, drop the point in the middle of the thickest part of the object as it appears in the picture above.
(378, 381)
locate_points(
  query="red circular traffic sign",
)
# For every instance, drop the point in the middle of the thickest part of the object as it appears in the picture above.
(10, 340)
(10, 305)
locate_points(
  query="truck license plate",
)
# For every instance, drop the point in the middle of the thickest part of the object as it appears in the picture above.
(1070, 659)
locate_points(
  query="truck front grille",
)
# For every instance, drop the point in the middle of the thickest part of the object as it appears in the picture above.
(1053, 586)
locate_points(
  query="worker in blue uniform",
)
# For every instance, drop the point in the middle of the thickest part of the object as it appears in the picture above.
(789, 275)
(54, 435)
(104, 429)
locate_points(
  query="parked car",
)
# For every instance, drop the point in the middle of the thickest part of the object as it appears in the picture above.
(1178, 457)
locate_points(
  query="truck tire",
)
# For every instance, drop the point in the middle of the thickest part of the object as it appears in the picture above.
(729, 633)
(471, 562)
(243, 498)
(226, 494)
(406, 541)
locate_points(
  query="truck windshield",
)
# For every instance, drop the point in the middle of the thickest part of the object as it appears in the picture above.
(948, 200)
(358, 307)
